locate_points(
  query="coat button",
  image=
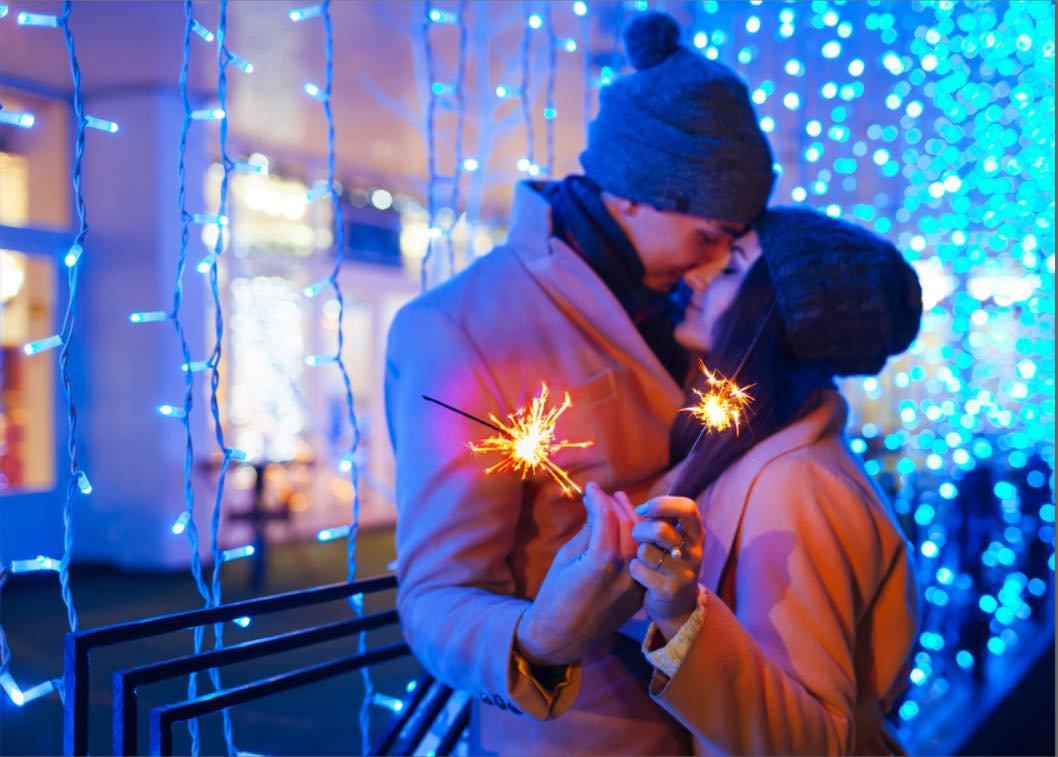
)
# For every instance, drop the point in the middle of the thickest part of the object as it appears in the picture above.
(499, 702)
(485, 698)
(513, 710)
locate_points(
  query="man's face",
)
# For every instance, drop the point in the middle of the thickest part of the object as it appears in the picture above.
(670, 244)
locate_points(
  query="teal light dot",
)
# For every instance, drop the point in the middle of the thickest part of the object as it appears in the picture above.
(845, 165)
(908, 710)
(1005, 490)
(996, 646)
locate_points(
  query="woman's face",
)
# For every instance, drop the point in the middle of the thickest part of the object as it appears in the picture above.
(714, 292)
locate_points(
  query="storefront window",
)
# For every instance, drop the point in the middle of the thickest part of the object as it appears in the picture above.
(34, 164)
(286, 414)
(27, 313)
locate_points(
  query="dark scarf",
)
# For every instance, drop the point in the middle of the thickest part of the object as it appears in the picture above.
(580, 219)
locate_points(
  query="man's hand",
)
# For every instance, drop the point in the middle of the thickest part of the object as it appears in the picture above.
(588, 592)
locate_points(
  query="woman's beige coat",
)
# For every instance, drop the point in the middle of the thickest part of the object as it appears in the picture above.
(823, 603)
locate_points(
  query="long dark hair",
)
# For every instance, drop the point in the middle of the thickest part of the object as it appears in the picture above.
(783, 388)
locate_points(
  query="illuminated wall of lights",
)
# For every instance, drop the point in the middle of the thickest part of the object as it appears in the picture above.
(933, 124)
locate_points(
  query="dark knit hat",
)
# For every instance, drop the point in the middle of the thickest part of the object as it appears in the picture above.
(847, 297)
(679, 133)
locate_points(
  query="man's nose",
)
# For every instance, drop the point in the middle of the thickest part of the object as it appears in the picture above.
(719, 250)
(698, 278)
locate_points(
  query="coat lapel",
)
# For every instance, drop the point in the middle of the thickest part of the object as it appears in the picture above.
(581, 296)
(724, 502)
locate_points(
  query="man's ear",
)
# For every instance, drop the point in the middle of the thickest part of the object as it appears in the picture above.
(620, 207)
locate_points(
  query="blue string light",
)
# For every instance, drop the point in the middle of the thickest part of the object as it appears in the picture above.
(185, 523)
(78, 481)
(38, 19)
(224, 59)
(332, 280)
(430, 17)
(460, 108)
(300, 14)
(23, 120)
(354, 426)
(450, 96)
(151, 316)
(207, 114)
(527, 164)
(92, 122)
(549, 103)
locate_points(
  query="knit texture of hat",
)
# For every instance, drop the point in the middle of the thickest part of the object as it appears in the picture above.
(847, 297)
(679, 133)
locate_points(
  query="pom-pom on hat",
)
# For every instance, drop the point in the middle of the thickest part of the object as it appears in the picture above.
(847, 297)
(680, 133)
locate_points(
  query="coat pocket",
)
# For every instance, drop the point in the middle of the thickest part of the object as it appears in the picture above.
(590, 417)
(594, 388)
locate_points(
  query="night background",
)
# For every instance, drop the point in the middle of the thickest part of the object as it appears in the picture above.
(930, 122)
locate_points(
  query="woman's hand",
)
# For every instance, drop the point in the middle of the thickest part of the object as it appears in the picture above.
(669, 559)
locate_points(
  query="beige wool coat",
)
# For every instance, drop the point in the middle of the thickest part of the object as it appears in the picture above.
(809, 645)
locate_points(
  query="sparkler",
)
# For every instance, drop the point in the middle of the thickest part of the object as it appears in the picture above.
(723, 405)
(527, 440)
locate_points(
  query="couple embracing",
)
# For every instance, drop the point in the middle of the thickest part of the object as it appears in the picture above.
(767, 604)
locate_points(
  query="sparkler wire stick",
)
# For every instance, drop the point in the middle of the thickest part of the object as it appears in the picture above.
(464, 414)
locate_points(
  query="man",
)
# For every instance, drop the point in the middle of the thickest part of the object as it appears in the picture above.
(495, 596)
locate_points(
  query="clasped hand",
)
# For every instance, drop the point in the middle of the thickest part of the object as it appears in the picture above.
(620, 561)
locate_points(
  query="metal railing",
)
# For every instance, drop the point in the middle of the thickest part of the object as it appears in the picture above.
(433, 713)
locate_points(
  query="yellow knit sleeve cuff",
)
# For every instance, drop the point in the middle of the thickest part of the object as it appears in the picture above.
(667, 658)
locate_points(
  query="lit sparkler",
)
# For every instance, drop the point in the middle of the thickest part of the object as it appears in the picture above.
(527, 441)
(724, 403)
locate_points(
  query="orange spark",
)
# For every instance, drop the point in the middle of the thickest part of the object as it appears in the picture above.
(723, 405)
(528, 441)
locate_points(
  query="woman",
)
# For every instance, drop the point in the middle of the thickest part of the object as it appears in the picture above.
(783, 599)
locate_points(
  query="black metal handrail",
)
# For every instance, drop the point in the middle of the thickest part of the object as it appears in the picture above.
(80, 644)
(164, 718)
(126, 681)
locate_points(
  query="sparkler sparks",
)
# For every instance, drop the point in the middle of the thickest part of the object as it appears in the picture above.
(527, 441)
(723, 405)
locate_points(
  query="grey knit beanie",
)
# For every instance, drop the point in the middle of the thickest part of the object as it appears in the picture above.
(679, 133)
(847, 297)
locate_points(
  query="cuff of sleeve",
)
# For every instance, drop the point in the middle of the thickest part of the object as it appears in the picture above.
(667, 657)
(541, 695)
